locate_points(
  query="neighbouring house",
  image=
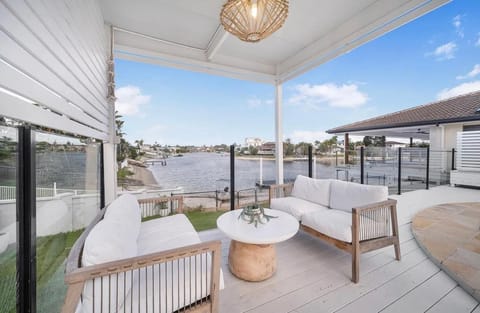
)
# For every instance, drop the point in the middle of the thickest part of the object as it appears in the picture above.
(253, 142)
(441, 123)
(267, 148)
(394, 144)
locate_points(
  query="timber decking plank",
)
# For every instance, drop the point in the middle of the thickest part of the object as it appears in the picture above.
(393, 290)
(340, 297)
(421, 298)
(457, 301)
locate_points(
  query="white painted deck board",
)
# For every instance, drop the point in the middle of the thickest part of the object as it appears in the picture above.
(315, 277)
(457, 301)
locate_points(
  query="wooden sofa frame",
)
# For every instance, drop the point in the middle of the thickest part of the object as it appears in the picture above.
(76, 276)
(366, 236)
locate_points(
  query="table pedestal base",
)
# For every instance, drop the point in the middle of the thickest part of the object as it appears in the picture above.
(252, 262)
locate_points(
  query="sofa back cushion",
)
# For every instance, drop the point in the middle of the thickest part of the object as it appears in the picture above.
(345, 195)
(313, 190)
(107, 241)
(126, 212)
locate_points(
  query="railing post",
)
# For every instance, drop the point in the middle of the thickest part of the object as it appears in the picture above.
(232, 177)
(362, 164)
(216, 199)
(399, 171)
(427, 180)
(310, 163)
(336, 158)
(453, 159)
(256, 196)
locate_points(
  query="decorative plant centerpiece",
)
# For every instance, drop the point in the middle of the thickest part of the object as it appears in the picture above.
(255, 214)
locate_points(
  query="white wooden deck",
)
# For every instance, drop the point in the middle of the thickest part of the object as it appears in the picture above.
(315, 277)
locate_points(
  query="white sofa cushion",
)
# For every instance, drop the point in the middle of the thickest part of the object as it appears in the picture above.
(333, 223)
(166, 233)
(346, 195)
(125, 211)
(295, 206)
(314, 190)
(105, 243)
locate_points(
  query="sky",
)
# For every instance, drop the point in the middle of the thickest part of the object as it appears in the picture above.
(434, 57)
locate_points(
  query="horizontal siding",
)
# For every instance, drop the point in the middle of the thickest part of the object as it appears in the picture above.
(55, 53)
(468, 154)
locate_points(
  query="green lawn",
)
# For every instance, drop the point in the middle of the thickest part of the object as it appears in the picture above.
(51, 254)
(199, 219)
(203, 220)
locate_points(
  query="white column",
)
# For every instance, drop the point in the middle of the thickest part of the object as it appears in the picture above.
(278, 134)
(110, 171)
(261, 171)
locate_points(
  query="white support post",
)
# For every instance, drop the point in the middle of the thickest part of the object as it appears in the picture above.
(110, 171)
(261, 171)
(278, 134)
(110, 147)
(314, 167)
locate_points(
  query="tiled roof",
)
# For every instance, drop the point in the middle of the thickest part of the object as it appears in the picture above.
(458, 109)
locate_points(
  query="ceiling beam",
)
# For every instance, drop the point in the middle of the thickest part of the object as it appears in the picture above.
(216, 42)
(164, 59)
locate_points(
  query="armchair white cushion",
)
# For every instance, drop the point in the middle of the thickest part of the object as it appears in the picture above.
(313, 190)
(295, 206)
(333, 223)
(125, 211)
(346, 195)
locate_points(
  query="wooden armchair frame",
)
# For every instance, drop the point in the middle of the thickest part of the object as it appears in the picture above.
(76, 276)
(374, 226)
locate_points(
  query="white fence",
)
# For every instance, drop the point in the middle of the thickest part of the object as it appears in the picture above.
(9, 192)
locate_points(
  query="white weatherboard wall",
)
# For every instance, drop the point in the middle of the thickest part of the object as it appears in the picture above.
(53, 65)
(54, 70)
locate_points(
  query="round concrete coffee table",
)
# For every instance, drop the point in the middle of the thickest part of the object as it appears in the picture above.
(252, 255)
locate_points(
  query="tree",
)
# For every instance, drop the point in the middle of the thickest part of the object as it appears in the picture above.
(289, 148)
(253, 150)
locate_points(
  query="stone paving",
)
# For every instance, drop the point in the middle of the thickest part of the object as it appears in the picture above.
(450, 236)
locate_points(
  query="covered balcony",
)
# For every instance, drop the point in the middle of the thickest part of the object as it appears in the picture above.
(57, 95)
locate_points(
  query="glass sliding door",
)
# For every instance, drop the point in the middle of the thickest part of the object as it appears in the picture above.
(8, 220)
(67, 199)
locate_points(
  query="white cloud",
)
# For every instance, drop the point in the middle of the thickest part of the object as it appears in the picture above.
(457, 23)
(444, 52)
(343, 96)
(459, 90)
(474, 72)
(308, 136)
(129, 100)
(256, 102)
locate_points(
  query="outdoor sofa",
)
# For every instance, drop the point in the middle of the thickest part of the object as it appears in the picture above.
(120, 264)
(354, 217)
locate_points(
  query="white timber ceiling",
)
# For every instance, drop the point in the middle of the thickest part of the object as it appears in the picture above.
(187, 34)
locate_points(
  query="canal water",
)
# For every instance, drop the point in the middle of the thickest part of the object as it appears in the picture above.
(211, 171)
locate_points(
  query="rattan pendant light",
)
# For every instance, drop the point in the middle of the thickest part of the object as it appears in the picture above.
(253, 20)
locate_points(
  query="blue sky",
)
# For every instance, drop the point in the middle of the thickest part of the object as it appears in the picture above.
(436, 56)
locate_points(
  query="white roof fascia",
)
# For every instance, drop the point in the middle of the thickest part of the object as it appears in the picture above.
(140, 55)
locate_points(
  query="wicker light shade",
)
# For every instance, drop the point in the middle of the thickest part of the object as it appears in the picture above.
(253, 20)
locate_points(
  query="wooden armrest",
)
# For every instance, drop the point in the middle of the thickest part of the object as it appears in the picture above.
(78, 277)
(279, 191)
(375, 220)
(375, 206)
(89, 272)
